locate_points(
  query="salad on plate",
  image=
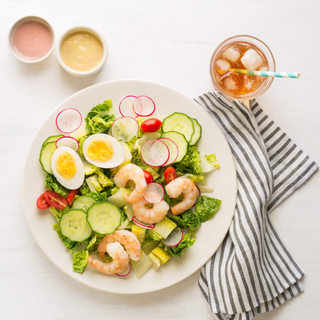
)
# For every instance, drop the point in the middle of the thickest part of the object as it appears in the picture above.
(126, 191)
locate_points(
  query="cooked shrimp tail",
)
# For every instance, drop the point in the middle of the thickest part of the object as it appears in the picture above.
(182, 186)
(134, 173)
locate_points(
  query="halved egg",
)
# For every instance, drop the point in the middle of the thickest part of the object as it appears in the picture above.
(103, 151)
(68, 168)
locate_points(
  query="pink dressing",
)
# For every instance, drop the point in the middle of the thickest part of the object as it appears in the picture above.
(32, 40)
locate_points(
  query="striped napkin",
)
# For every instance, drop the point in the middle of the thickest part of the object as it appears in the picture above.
(253, 271)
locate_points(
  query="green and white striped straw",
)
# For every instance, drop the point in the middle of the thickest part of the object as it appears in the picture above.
(267, 73)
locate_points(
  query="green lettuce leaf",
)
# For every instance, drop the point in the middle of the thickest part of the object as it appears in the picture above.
(209, 162)
(99, 196)
(191, 219)
(178, 250)
(70, 245)
(191, 162)
(80, 261)
(94, 241)
(178, 221)
(51, 183)
(81, 142)
(100, 118)
(84, 189)
(206, 207)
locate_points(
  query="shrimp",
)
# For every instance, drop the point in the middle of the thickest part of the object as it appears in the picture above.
(124, 237)
(131, 172)
(120, 260)
(150, 215)
(189, 191)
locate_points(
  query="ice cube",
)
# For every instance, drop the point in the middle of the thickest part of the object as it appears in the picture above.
(250, 83)
(231, 54)
(263, 69)
(230, 84)
(252, 60)
(222, 66)
(247, 82)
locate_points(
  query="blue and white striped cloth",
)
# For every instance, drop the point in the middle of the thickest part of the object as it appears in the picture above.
(252, 271)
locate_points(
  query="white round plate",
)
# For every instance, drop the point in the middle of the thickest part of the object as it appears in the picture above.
(209, 234)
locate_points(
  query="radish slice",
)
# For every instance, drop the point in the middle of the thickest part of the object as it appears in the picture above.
(174, 238)
(68, 120)
(68, 142)
(124, 274)
(154, 192)
(142, 224)
(144, 106)
(126, 107)
(173, 149)
(155, 153)
(124, 128)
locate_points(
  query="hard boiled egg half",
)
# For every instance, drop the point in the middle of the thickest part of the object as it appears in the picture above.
(68, 168)
(103, 151)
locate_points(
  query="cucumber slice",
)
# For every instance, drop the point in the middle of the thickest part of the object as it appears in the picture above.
(83, 203)
(74, 225)
(52, 138)
(46, 154)
(104, 217)
(179, 122)
(180, 141)
(197, 132)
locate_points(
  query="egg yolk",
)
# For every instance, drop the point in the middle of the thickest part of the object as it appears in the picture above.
(100, 150)
(66, 165)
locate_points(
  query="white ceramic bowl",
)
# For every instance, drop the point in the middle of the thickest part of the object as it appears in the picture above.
(83, 74)
(18, 24)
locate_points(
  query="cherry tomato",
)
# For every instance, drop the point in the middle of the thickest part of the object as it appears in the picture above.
(151, 125)
(42, 202)
(148, 176)
(55, 199)
(71, 195)
(170, 174)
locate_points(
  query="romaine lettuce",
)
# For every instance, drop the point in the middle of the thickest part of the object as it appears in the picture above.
(84, 189)
(178, 250)
(80, 261)
(100, 118)
(209, 162)
(191, 162)
(206, 207)
(191, 219)
(70, 245)
(51, 183)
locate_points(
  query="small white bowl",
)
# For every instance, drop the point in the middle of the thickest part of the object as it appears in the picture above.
(89, 73)
(16, 25)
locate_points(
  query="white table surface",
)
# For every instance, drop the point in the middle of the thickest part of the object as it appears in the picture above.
(169, 42)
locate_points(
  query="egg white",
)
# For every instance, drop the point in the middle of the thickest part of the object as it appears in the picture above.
(118, 152)
(77, 180)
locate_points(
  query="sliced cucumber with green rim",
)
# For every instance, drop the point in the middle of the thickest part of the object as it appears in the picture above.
(83, 203)
(197, 132)
(104, 217)
(180, 141)
(179, 122)
(74, 225)
(46, 154)
(52, 138)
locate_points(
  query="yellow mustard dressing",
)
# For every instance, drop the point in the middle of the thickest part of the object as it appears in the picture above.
(81, 51)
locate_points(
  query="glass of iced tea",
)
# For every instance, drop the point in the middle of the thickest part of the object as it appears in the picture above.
(241, 52)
